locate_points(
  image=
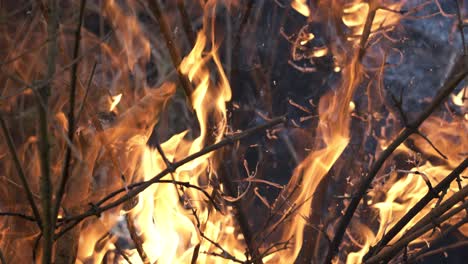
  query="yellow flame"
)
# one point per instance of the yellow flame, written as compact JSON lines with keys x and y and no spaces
{"x":301,"y":7}
{"x":115,"y":101}
{"x":458,"y":99}
{"x":355,"y":14}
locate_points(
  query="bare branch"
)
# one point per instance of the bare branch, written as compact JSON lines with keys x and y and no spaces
{"x":71,"y":117}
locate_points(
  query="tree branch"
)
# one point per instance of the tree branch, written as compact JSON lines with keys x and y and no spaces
{"x":176,"y":59}
{"x":71,"y":117}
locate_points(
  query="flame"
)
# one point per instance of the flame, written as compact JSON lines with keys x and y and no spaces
{"x":355,"y":14}
{"x":301,"y":7}
{"x":308,"y":38}
{"x":458,"y":99}
{"x":367,"y":235}
{"x":111,"y":148}
{"x":164,"y":211}
{"x":115,"y":102}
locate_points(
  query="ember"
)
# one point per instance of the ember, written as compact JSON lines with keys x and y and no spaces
{"x":233,"y":131}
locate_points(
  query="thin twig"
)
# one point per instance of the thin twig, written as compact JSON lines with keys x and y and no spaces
{"x":443,"y":249}
{"x":122,"y":253}
{"x":415,"y":257}
{"x":419,"y":133}
{"x":71,"y":117}
{"x":461,"y":27}
{"x":25,"y":217}
{"x":43,"y":83}
{"x":97,"y":210}
{"x":88,"y":86}
{"x":186,"y":23}
{"x":196,"y":251}
{"x":176,"y":58}
{"x":447,"y":88}
{"x":19,"y":169}
{"x":136,"y":239}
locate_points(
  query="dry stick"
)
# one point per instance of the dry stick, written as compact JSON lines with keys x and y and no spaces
{"x":434,"y":218}
{"x":44,"y":147}
{"x":187,"y":25}
{"x":71,"y":117}
{"x":419,"y":133}
{"x":122,"y":253}
{"x":19,"y":169}
{"x":460,"y":27}
{"x":442,"y":186}
{"x":441,"y":209}
{"x":25,"y":217}
{"x":241,"y":219}
{"x":170,"y":44}
{"x":453,"y":80}
{"x":97,"y":210}
{"x":136,"y":239}
{"x":421,"y":254}
{"x":134,"y":185}
{"x":196,"y":251}
{"x":85,"y":97}
{"x":444,"y":249}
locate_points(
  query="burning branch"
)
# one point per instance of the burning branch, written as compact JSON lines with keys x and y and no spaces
{"x":98,"y":208}
{"x":426,"y":251}
{"x":441,"y":187}
{"x":71,"y":115}
{"x":86,"y":140}
{"x":457,"y":75}
{"x":436,"y":217}
{"x":136,"y":239}
{"x":176,"y":59}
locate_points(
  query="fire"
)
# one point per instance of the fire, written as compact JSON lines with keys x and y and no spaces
{"x":355,"y":14}
{"x":301,"y":7}
{"x":115,"y":102}
{"x":188,"y":214}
